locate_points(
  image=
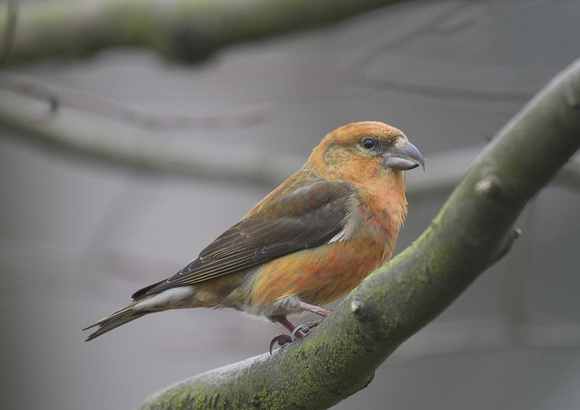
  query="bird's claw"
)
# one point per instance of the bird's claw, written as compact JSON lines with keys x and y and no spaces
{"x":301,"y":333}
{"x":304,"y":328}
{"x":281,"y":340}
{"x":298,"y":333}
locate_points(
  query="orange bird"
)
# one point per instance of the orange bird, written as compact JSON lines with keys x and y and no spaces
{"x":308,"y":243}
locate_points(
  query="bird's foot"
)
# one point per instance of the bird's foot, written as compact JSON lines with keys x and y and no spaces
{"x":302,"y":330}
{"x":281,"y":340}
{"x":298,"y":333}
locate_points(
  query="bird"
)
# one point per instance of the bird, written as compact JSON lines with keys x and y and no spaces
{"x":309,"y":242}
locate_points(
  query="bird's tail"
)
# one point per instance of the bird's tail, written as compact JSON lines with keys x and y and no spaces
{"x":116,"y":319}
{"x":175,"y":298}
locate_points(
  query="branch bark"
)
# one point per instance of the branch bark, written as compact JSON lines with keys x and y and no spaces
{"x":182,"y":30}
{"x":472,"y":231}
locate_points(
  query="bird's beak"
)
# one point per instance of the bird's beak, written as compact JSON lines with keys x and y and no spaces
{"x":404,"y":158}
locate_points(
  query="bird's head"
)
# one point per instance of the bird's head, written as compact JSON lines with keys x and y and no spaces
{"x":364,"y":149}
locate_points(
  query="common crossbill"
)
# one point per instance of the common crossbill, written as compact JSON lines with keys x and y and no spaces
{"x":306,"y":244}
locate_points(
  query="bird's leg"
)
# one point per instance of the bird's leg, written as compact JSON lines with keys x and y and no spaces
{"x":324,"y":312}
{"x":298,"y":332}
{"x":302,"y":329}
{"x":283,"y":320}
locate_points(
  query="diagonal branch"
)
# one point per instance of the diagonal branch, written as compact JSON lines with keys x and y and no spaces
{"x":472,"y":231}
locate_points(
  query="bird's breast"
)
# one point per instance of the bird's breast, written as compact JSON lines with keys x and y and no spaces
{"x":323,"y":274}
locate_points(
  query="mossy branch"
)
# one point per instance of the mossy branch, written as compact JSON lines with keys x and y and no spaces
{"x":473,"y":230}
{"x":183,"y":30}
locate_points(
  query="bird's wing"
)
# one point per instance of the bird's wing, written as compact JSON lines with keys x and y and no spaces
{"x":303,"y":218}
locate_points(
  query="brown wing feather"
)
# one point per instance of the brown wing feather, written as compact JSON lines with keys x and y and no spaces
{"x":305,"y":218}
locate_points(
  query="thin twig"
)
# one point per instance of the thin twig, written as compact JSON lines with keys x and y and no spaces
{"x":57,"y":97}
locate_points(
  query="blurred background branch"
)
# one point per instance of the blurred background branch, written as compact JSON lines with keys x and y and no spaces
{"x":19,"y":110}
{"x":183,"y":30}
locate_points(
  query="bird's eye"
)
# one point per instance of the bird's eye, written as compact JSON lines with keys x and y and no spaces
{"x":368,"y":143}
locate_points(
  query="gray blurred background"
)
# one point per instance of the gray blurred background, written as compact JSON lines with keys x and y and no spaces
{"x":79,"y":236}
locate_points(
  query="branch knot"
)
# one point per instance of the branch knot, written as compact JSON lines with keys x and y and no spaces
{"x":357,"y":307}
{"x":488,"y":187}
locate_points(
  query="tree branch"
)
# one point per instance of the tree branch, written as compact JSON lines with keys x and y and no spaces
{"x":73,"y":135}
{"x":57,"y":97}
{"x":472,"y":231}
{"x":183,"y":30}
{"x":9,"y":28}
{"x":152,"y":153}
